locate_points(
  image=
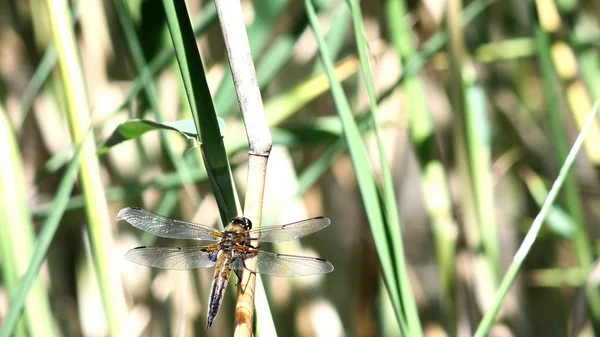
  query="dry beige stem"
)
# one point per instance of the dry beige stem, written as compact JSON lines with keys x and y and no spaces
{"x":244,"y":308}
{"x":259,"y":139}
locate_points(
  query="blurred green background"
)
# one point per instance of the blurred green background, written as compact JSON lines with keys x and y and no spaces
{"x":477,"y":105}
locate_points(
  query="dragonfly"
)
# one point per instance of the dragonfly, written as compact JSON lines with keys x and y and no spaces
{"x":232,"y":248}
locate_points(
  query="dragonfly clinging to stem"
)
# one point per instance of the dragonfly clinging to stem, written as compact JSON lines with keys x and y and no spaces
{"x":233,"y":246}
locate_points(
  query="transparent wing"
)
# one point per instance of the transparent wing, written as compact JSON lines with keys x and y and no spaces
{"x":173,"y":257}
{"x":166,"y":227}
{"x":291,"y":231}
{"x":287,"y":265}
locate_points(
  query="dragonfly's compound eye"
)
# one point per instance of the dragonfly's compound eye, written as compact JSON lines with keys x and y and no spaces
{"x":247,"y":224}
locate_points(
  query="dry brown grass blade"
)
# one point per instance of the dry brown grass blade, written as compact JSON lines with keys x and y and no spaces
{"x":259,"y":139}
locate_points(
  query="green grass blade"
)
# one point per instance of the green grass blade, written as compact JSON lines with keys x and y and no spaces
{"x":529,"y":240}
{"x":281,"y":50}
{"x":41,"y":248}
{"x":478,"y":131}
{"x":17,"y":236}
{"x":573,"y":201}
{"x":390,"y":204}
{"x":41,"y":74}
{"x":434,"y":179}
{"x":135,"y":128}
{"x":364,"y":175}
{"x":162,"y":60}
{"x":139,"y":60}
{"x":339,"y":19}
{"x":78,"y":114}
{"x":558,"y":221}
{"x":201,"y":104}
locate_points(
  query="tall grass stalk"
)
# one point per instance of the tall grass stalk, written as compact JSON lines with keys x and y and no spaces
{"x":478,"y":133}
{"x":267,"y":13}
{"x":17,"y":241}
{"x":364,"y":175}
{"x":573,"y":201}
{"x":78,"y":114}
{"x":536,"y":226}
{"x":260,"y":144}
{"x":205,"y":117}
{"x":423,"y":137}
{"x":389,"y":203}
{"x":30,"y":282}
{"x":202,"y":107}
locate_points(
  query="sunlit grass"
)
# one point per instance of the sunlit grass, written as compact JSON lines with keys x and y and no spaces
{"x":432,"y":137}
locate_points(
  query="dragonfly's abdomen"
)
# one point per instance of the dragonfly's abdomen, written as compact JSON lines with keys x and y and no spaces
{"x":222,"y":272}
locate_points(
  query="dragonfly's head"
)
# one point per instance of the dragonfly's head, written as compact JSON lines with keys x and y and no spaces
{"x":243,"y":222}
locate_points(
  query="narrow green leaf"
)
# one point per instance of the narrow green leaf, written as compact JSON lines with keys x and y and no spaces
{"x":41,"y":247}
{"x":521,"y":254}
{"x":78,"y":114}
{"x":17,"y":236}
{"x":573,"y":202}
{"x":362,"y":170}
{"x":135,"y":128}
{"x":559,"y":221}
{"x":478,"y":130}
{"x":390,"y":204}
{"x":201,"y":105}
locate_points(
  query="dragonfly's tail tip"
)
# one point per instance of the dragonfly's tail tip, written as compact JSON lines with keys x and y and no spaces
{"x":208,"y":324}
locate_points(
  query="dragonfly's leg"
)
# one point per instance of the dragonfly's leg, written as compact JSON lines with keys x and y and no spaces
{"x":237,"y":273}
{"x":244,"y":264}
{"x":248,"y":240}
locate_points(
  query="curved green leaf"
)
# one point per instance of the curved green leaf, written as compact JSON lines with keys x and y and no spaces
{"x":136,"y":127}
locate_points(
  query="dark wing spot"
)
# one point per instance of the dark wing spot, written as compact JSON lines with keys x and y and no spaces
{"x":178,"y":248}
{"x":140,"y":247}
{"x":137,"y":208}
{"x":320,"y":217}
{"x":320,"y":259}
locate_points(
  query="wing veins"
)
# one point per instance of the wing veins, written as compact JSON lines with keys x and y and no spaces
{"x":179,"y":258}
{"x":288,"y":265}
{"x":291,"y":231}
{"x":163,"y":226}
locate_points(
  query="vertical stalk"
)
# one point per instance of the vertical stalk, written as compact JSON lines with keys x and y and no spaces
{"x":389,"y":202}
{"x":78,"y":114}
{"x":423,"y":137}
{"x":573,"y":201}
{"x":259,"y":140}
{"x":17,"y":241}
{"x":201,"y":105}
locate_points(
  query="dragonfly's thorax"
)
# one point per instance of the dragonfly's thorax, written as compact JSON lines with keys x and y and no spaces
{"x":235,"y":233}
{"x":228,"y":245}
